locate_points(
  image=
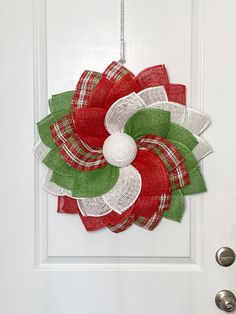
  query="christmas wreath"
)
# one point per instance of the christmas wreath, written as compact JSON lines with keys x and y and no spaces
{"x":122,"y":149}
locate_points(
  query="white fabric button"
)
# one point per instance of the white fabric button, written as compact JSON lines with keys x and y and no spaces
{"x":119,"y":149}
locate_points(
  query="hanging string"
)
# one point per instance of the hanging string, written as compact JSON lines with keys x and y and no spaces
{"x":122,"y":32}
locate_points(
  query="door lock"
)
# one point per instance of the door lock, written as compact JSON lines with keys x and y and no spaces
{"x":225,"y":256}
{"x":225,"y":301}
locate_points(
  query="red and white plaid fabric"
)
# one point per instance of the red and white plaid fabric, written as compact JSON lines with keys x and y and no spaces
{"x":116,"y":71}
{"x":163,"y":148}
{"x":179,"y":177}
{"x":80,"y":156}
{"x":84,"y":88}
{"x":147,"y":223}
{"x":151,"y":223}
{"x":62,"y":129}
{"x":171,"y":157}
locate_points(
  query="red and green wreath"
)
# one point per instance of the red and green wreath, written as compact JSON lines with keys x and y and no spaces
{"x":122,"y":149}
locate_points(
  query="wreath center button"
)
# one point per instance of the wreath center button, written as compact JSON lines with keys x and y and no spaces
{"x":119,"y":149}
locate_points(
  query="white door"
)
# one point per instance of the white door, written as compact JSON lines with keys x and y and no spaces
{"x":49,"y":264}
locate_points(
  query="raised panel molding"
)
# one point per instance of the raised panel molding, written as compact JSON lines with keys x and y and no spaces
{"x":45,"y":262}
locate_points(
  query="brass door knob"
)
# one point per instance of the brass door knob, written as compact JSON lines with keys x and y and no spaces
{"x":226,"y":301}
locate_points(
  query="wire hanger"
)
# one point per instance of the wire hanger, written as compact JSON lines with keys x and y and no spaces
{"x":122,"y":32}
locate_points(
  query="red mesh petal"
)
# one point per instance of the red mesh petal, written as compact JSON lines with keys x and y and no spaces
{"x":89,"y":125}
{"x":176,"y":93}
{"x":171,"y":157}
{"x":123,"y":225}
{"x":114,"y":218}
{"x":153,"y":172}
{"x":146,"y":206}
{"x":69,"y":205}
{"x":160,"y":146}
{"x":153,"y":76}
{"x":155,"y":182}
{"x":100,"y":93}
{"x":122,"y":88}
{"x":93,"y":223}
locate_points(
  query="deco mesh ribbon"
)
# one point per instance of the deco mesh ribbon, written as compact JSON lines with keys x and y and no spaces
{"x":122,"y":149}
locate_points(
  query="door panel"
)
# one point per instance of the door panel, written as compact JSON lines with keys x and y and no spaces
{"x":80,"y":45}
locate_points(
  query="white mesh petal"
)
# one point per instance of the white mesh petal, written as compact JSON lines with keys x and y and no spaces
{"x":202,"y":149}
{"x":41,"y":150}
{"x":126,"y":191}
{"x":177,"y":111}
{"x":93,"y":206}
{"x":119,"y":198}
{"x":153,"y":94}
{"x":195,"y":121}
{"x":52,"y":187}
{"x":120,"y":112}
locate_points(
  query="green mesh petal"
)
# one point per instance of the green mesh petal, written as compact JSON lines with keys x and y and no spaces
{"x":176,"y":208}
{"x":95,"y":183}
{"x":60,"y":113}
{"x":59,"y":105}
{"x":189,"y":160}
{"x":44,"y":130}
{"x":148,"y":121}
{"x":66,"y":182}
{"x":61,"y":101}
{"x":197,"y":183}
{"x":81,"y":184}
{"x":182,"y":135}
{"x":56,"y":163}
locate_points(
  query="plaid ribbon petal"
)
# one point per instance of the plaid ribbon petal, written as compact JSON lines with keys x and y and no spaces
{"x":171,"y":157}
{"x":84,"y":88}
{"x":122,"y":226}
{"x":151,"y":223}
{"x":80,"y":156}
{"x":148,"y":224}
{"x":116,"y":71}
{"x":179,"y":177}
{"x":62,"y":129}
{"x":163,"y":148}
{"x":89,"y":80}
